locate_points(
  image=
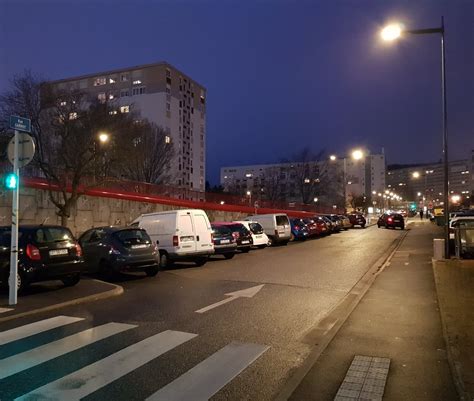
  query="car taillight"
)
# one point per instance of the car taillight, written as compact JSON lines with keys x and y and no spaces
{"x":235,"y":234}
{"x":78,"y":250}
{"x":175,"y":240}
{"x":297,"y":227}
{"x":32,"y":252}
{"x":389,"y":219}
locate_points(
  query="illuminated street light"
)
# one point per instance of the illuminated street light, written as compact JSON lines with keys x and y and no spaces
{"x":379,"y":194}
{"x":357,"y":154}
{"x":391,"y":32}
{"x":315,"y":200}
{"x":222,"y":202}
{"x":374,"y":192}
{"x":332,"y":157}
{"x":416,"y":174}
{"x":104,"y":137}
{"x":387,"y":191}
{"x":249,"y":193}
{"x":455,"y":198}
{"x":419,"y":193}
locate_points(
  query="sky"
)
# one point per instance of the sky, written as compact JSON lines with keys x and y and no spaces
{"x":281,"y":75}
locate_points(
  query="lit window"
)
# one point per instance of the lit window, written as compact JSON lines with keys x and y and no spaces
{"x":124,"y":77}
{"x":112,"y":112}
{"x":124,"y":109}
{"x":100,"y":81}
{"x":137,"y":82}
{"x":63,"y":103}
{"x":111,"y":80}
{"x":111,"y":97}
{"x":101,"y":97}
{"x":73,"y":115}
{"x":167,"y":139}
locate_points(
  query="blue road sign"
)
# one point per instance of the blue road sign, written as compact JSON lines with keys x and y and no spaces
{"x":20,"y":123}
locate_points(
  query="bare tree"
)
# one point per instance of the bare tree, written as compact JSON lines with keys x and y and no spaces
{"x":271,"y":183}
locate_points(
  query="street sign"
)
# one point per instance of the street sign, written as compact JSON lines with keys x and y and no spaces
{"x":26,"y":149}
{"x":20,"y":123}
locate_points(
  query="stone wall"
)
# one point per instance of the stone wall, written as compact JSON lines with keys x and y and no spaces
{"x":36,"y":208}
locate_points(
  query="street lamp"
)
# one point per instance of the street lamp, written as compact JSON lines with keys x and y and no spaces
{"x":395,"y":31}
{"x":332,"y":157}
{"x":104,"y":137}
{"x":416,"y":174}
{"x":357,"y":154}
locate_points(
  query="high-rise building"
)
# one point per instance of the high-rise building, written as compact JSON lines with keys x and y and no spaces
{"x":165,"y":96}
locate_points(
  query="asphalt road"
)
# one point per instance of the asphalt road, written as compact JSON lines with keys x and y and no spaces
{"x":245,"y":349}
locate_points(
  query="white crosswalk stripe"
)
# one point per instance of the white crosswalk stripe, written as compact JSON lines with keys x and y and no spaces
{"x":208,"y":377}
{"x":97,"y":375}
{"x":28,"y":359}
{"x":36,"y":328}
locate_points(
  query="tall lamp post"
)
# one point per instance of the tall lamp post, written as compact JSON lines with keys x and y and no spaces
{"x":392,"y":32}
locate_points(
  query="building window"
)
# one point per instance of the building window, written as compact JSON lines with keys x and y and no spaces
{"x":124,"y":77}
{"x":112,"y":80}
{"x":167,"y":139}
{"x":168,"y":73}
{"x":124,"y":92}
{"x":111,"y":96}
{"x":168,"y":80}
{"x":168,"y":90}
{"x":100,"y":81}
{"x":63,"y":103}
{"x":112,"y":112}
{"x":139,"y":90}
{"x":124,"y":109}
{"x":101,"y":97}
{"x":73,"y":115}
{"x":137,"y":82}
{"x":168,"y":106}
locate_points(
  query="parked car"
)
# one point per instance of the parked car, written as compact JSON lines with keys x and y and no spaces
{"x":259,"y":238}
{"x":299,"y":231}
{"x":181,"y":235}
{"x":224,"y":242}
{"x":336,"y":223}
{"x":346,"y":223}
{"x":45,"y":252}
{"x":391,"y":220}
{"x":312,"y":227}
{"x":357,"y":219}
{"x":276,"y":226}
{"x":242,"y":236}
{"x":110,"y":250}
{"x":331,"y":226}
{"x":467,"y":220}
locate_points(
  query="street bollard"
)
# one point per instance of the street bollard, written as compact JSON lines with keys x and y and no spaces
{"x":438,"y":249}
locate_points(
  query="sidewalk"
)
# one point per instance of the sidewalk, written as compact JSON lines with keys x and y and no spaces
{"x":399,"y":319}
{"x":42,"y":297}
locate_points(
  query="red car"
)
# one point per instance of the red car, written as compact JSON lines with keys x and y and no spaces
{"x":315,"y":226}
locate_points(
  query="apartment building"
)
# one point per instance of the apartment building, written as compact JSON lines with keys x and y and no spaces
{"x":417,"y":181}
{"x":165,"y":96}
{"x":361,"y":178}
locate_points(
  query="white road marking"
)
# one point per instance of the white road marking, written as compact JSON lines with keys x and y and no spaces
{"x":85,"y":381}
{"x":28,"y":359}
{"x":208,"y":377}
{"x":4,"y":310}
{"x":35,"y":328}
{"x":246,"y":293}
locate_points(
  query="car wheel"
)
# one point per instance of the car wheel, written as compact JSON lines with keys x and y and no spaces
{"x":22,"y":283}
{"x":292,"y":237}
{"x":229,"y":255}
{"x":71,"y":281}
{"x":164,"y":260}
{"x":270,"y":241}
{"x":152,"y":271}
{"x":200,"y":262}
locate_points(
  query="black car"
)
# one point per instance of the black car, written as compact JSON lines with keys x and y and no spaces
{"x":357,"y":219}
{"x":391,"y":220}
{"x":242,"y":236}
{"x":109,"y":250}
{"x":224,"y":242}
{"x":336,"y":223}
{"x":44,"y":253}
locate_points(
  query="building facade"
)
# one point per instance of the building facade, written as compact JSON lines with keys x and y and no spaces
{"x":424,"y":183}
{"x":315,"y":181}
{"x":165,"y":96}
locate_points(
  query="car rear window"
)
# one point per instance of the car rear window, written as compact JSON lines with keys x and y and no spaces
{"x":256,"y":228}
{"x":221,"y":230}
{"x":281,"y":220}
{"x":239,"y":228}
{"x":45,"y":235}
{"x":132,"y":237}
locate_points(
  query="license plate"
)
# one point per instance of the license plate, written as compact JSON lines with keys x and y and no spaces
{"x":139,"y":246}
{"x":58,"y":252}
{"x":225,"y":241}
{"x":396,"y":221}
{"x":258,"y":236}
{"x":245,"y":242}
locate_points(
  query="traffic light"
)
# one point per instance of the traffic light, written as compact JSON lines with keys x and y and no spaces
{"x":10,"y":181}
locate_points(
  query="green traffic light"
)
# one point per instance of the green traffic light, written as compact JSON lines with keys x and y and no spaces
{"x":11,"y":181}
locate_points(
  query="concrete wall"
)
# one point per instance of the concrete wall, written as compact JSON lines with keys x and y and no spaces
{"x":36,"y":208}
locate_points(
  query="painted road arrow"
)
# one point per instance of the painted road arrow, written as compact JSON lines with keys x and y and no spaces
{"x":247,"y":293}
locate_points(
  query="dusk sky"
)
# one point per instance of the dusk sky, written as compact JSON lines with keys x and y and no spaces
{"x":280,"y":75}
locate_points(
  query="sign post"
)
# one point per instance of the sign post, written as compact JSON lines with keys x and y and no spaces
{"x":18,"y":124}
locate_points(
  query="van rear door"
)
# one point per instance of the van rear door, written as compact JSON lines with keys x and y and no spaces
{"x":203,"y":233}
{"x":283,"y":226}
{"x":185,"y":232}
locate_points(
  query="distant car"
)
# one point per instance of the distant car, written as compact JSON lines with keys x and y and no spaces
{"x":336,"y":222}
{"x":331,"y":226}
{"x":242,"y":236}
{"x":299,"y":231}
{"x":466,"y":220}
{"x":322,"y":225}
{"x":224,"y":242}
{"x":259,"y":238}
{"x":311,"y":225}
{"x":357,"y":219}
{"x":110,"y":250}
{"x":391,"y":220}
{"x":346,"y":223}
{"x":45,"y":252}
{"x":276,"y":226}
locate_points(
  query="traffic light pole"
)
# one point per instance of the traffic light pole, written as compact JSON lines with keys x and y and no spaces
{"x":13,"y":282}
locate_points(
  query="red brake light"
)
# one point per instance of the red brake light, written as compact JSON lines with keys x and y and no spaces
{"x":175,"y":240}
{"x":389,"y":219}
{"x":32,"y":252}
{"x":78,"y":250}
{"x":235,"y":234}
{"x":297,"y":227}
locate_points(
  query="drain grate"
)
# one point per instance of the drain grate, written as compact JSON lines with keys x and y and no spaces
{"x":365,"y":380}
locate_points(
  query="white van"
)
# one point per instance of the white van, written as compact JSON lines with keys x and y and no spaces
{"x":276,"y":226}
{"x":180,"y":235}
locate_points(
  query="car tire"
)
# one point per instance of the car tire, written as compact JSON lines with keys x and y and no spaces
{"x":292,"y":237}
{"x":270,"y":241}
{"x":200,"y":262}
{"x":71,"y":281}
{"x":164,"y":261}
{"x":229,"y":255}
{"x":22,"y":283}
{"x":152,"y":271}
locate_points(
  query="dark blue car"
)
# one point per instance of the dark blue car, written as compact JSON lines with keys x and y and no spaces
{"x":299,"y":231}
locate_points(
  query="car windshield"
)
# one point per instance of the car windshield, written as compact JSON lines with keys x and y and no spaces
{"x":256,"y":228}
{"x":132,"y":237}
{"x":45,"y":235}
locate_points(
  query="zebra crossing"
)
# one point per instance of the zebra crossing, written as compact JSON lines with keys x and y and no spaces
{"x":199,"y":383}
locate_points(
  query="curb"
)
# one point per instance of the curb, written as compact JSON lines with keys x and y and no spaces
{"x":452,"y":350}
{"x":117,"y":290}
{"x":326,"y":329}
